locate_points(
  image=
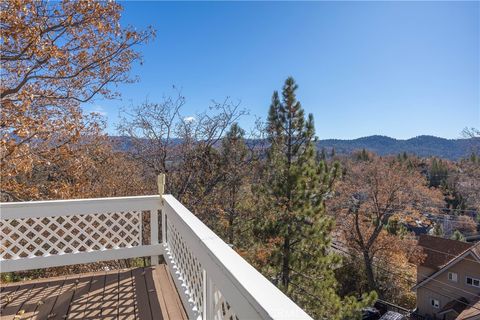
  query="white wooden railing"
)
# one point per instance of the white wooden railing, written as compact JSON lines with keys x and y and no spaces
{"x":213,"y":281}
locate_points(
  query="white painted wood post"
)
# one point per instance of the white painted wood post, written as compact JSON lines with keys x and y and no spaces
{"x":164,"y":227}
{"x":154,"y":217}
{"x":161,"y":185}
{"x":154,"y":233}
{"x":208,"y":298}
{"x":161,"y":190}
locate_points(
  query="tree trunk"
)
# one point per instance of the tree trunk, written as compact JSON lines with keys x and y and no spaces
{"x":369,"y":269}
{"x":230,"y":229}
{"x":286,"y":262}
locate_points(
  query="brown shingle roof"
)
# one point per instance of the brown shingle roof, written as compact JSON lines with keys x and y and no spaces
{"x":457,"y":305}
{"x":470,"y":312}
{"x":442,"y":250}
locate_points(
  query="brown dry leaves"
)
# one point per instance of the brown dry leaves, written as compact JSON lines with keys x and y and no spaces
{"x":56,"y":55}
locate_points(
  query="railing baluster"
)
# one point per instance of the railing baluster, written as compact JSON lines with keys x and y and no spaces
{"x":154,"y":233}
{"x":164,"y":227}
{"x":208,"y":298}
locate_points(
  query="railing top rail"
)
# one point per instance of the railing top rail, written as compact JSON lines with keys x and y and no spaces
{"x":264,"y":296}
{"x":51,"y":208}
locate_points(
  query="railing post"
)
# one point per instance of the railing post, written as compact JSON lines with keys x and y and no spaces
{"x":154,"y":218}
{"x":164,"y":227}
{"x":154,"y":233}
{"x":208,"y":298}
{"x":161,"y":185}
{"x":161,"y":190}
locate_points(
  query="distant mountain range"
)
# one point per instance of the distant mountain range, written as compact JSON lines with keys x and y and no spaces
{"x":422,"y":146}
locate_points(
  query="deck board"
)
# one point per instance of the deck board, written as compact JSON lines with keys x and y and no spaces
{"x":93,"y":306}
{"x":45,"y":309}
{"x":136,"y":293}
{"x":16,"y":301}
{"x":173,"y":305}
{"x":152,"y":294}
{"x":40,"y":299}
{"x":60,"y":309}
{"x":76,"y":308}
{"x":110,"y":297}
{"x":141,"y":294}
{"x":127,"y":303}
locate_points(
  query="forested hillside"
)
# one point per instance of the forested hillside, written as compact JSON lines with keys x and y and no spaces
{"x":422,"y":146}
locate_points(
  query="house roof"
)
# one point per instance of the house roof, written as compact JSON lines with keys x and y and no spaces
{"x":440,"y":251}
{"x":470,"y":312}
{"x":390,"y":315}
{"x":441,"y":258}
{"x":457,"y":306}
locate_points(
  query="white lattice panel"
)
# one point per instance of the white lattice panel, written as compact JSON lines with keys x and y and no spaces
{"x":222,"y":309}
{"x":45,"y":236}
{"x":188,"y":266}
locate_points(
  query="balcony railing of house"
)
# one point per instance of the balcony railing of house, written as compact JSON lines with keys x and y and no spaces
{"x":213,"y":281}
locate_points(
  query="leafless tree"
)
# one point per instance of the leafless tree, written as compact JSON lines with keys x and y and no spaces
{"x":185,"y":147}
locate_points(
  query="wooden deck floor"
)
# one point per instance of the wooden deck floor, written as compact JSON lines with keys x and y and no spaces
{"x":141,"y":293}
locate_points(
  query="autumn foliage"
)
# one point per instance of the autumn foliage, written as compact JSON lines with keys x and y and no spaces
{"x":55,"y":56}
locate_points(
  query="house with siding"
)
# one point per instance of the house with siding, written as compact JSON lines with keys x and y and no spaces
{"x":448,"y":279}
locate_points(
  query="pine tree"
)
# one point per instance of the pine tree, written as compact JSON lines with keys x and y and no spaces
{"x":235,"y":161}
{"x":295,"y":220}
{"x":363,"y":155}
{"x":332,"y":153}
{"x":322,"y":155}
{"x":438,"y":173}
{"x":457,"y":235}
{"x":474,"y":158}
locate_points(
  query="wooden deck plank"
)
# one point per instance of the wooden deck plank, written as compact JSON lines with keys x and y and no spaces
{"x":126,"y":296}
{"x":174,"y":307}
{"x":43,"y":291}
{"x":110,"y":297}
{"x":7,"y":294}
{"x":39,"y":280}
{"x":45,"y":310}
{"x":93,"y":306}
{"x":76,"y":309}
{"x":30,"y":304}
{"x":174,"y":293}
{"x":6,"y":285}
{"x":160,"y":293}
{"x":16,"y":301}
{"x":152,"y":294}
{"x":64,"y":298}
{"x":141,"y":294}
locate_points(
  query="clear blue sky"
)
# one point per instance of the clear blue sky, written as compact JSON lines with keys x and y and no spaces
{"x":399,"y":69}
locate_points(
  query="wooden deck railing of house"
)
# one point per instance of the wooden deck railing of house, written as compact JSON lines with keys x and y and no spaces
{"x":213,"y":281}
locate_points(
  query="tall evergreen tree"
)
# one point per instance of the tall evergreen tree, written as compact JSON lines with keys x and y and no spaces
{"x":295,"y":223}
{"x":235,"y":163}
{"x":322,"y":155}
{"x":438,"y":173}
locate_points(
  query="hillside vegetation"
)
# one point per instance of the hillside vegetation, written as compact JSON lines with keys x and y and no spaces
{"x":422,"y":146}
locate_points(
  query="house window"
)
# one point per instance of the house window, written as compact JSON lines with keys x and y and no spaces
{"x":473,"y":282}
{"x":435,"y":303}
{"x":452,"y":276}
